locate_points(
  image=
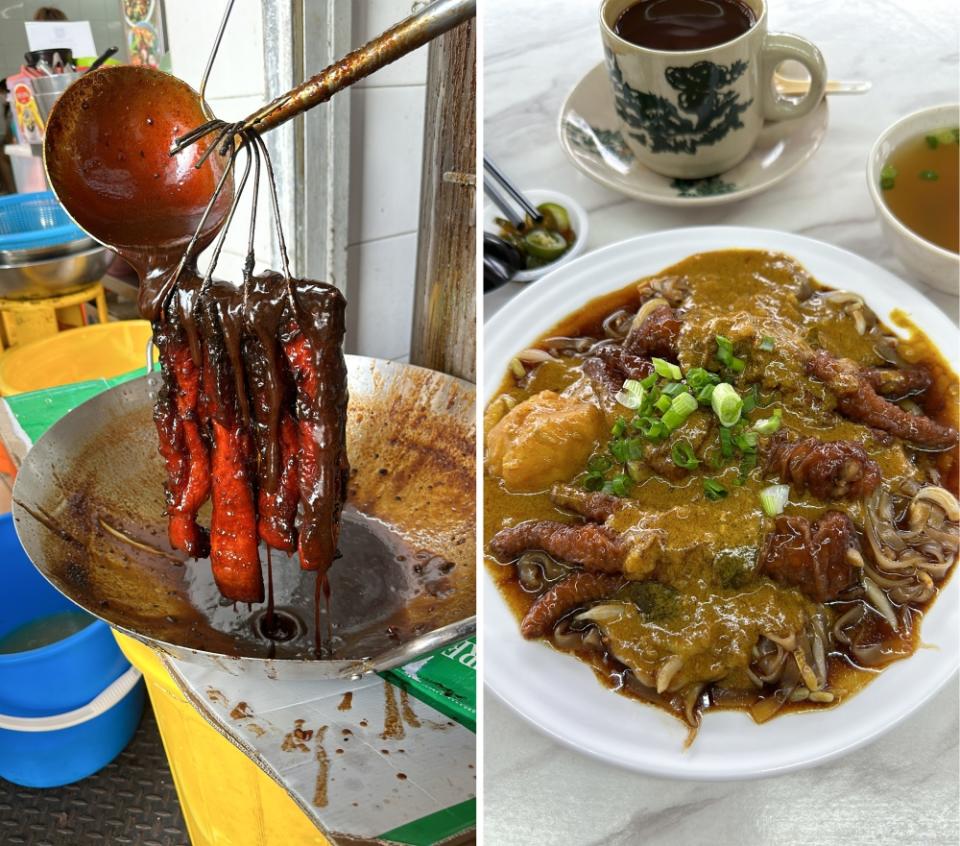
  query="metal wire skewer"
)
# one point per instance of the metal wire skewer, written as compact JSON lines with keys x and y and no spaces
{"x":250,"y":258}
{"x":171,"y":284}
{"x":413,"y":32}
{"x":213,"y":53}
{"x":408,"y":35}
{"x":222,"y":237}
{"x":277,"y":222}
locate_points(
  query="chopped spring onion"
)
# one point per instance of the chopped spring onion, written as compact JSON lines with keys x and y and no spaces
{"x":750,"y":399}
{"x":666,"y":369}
{"x":684,"y":456}
{"x":929,"y":175}
{"x":632,"y":394}
{"x":593,"y":481}
{"x":769,"y":425}
{"x":619,"y":428}
{"x":726,"y":443}
{"x":888,"y":177}
{"x":746,"y":467}
{"x":698,"y":378}
{"x":746,"y":442}
{"x":932,"y":142}
{"x":774,"y":499}
{"x":626,"y":449}
{"x":767,"y":343}
{"x":636,"y":470}
{"x":726,"y":404}
{"x":705,"y":394}
{"x":652,"y":429}
{"x":619,"y":485}
{"x":649,"y":381}
{"x":598,"y":464}
{"x":662,"y":404}
{"x":672,"y":389}
{"x":681,"y":408}
{"x":714,"y":490}
{"x":726,"y":357}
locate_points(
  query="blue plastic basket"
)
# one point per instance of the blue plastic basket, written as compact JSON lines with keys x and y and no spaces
{"x":28,"y":221}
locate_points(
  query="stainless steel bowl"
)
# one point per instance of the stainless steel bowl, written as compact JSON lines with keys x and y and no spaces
{"x":30,"y":256}
{"x":56,"y":274}
{"x":47,"y":90}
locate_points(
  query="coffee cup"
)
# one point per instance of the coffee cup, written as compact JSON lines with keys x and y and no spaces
{"x":692,"y":113}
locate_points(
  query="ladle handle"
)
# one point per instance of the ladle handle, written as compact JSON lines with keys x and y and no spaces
{"x":405,"y":37}
{"x":415,"y":648}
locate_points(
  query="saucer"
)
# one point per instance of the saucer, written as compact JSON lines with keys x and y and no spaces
{"x":590,"y":136}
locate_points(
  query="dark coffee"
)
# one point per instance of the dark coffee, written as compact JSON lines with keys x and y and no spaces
{"x":684,"y":24}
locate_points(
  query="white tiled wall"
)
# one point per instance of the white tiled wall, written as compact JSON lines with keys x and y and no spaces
{"x":386,"y":141}
{"x":235,"y":89}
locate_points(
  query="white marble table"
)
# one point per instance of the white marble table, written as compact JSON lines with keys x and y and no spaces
{"x":903,"y":788}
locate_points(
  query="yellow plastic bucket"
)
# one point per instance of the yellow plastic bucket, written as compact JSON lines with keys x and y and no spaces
{"x":226,"y":799}
{"x":91,"y":352}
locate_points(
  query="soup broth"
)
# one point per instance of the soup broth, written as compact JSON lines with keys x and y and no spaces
{"x":921,"y":185}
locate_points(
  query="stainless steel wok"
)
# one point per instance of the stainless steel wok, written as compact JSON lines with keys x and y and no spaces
{"x":89,"y":511}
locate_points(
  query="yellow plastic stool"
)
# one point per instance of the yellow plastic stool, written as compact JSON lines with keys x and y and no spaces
{"x":100,"y":351}
{"x":24,"y":319}
{"x":226,"y":799}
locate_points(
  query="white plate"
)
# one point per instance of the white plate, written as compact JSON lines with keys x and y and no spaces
{"x":590,"y":137}
{"x":560,"y":695}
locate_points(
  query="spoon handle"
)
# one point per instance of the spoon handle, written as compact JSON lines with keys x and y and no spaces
{"x":405,"y":37}
{"x":801,"y":86}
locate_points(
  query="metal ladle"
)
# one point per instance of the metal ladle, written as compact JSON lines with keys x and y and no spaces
{"x":136,"y":160}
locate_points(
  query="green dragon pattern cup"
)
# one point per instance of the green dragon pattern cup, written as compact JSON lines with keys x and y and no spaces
{"x":695,"y":113}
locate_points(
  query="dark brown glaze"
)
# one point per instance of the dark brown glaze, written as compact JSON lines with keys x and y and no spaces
{"x":312,"y":342}
{"x":271,"y":387}
{"x":828,"y":470}
{"x":234,"y":554}
{"x":656,"y":336}
{"x":274,"y":407}
{"x":181,"y":440}
{"x":593,"y":547}
{"x":170,"y":434}
{"x":564,"y":596}
{"x":811,"y":556}
{"x":858,"y":400}
{"x":277,"y":508}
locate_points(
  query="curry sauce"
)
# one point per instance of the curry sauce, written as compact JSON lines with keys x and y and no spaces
{"x":705,"y":606}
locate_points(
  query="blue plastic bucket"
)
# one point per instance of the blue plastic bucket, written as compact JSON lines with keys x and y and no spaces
{"x":66,"y":709}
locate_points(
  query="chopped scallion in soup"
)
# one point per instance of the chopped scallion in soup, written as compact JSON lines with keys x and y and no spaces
{"x":921,"y":186}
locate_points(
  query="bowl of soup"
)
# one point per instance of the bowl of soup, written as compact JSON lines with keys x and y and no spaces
{"x":914,"y":181}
